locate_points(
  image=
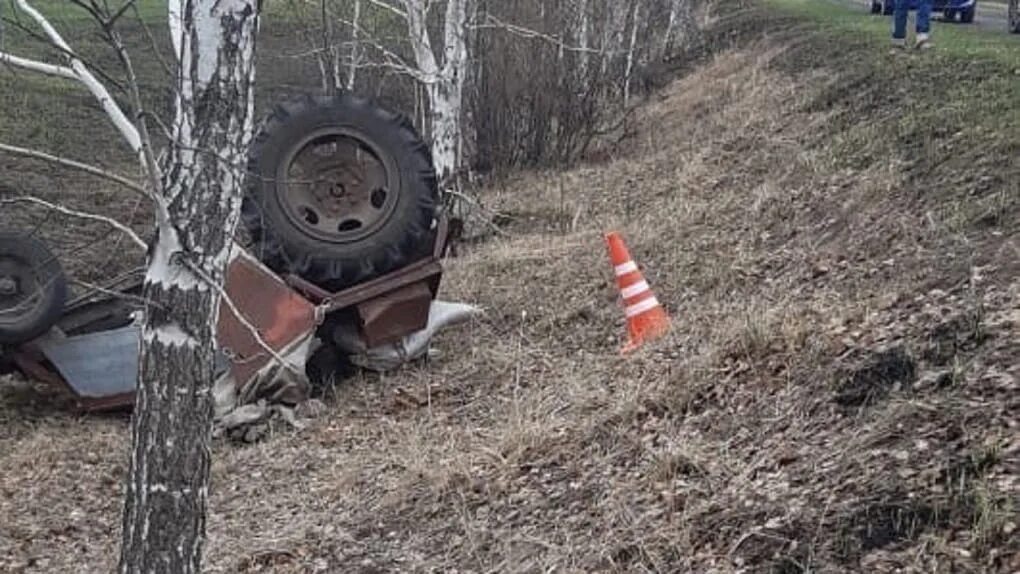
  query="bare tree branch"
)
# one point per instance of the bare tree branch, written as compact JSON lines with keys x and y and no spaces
{"x":252,"y":329}
{"x":152,"y":41}
{"x":109,"y":105}
{"x":106,"y":77}
{"x":494,"y":23}
{"x":147,"y":153}
{"x":393,"y":60}
{"x":112,"y":292}
{"x":79,"y":214}
{"x":35,"y":66}
{"x":389,"y":7}
{"x":70,"y":163}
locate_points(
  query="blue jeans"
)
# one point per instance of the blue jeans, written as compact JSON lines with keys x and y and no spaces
{"x":900,"y":18}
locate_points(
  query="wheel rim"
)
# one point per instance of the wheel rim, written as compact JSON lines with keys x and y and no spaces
{"x":20,"y":290}
{"x":336,"y":186}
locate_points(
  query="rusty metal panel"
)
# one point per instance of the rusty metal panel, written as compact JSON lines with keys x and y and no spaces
{"x":425,"y":269}
{"x":387,"y":318}
{"x":280,"y":315}
{"x":29,"y":359}
{"x":429,"y":268}
{"x":442,"y":236}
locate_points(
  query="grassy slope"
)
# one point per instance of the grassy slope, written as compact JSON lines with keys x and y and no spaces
{"x":836,"y":237}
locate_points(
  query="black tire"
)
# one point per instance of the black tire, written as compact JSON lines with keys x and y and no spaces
{"x":33,"y":289}
{"x":888,"y":7}
{"x":876,"y":7}
{"x":948,"y":16}
{"x":967,"y":16}
{"x":337,"y":226}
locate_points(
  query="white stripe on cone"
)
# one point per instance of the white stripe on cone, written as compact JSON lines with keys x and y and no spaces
{"x":641,"y":307}
{"x":625,"y":268}
{"x":634,"y":290}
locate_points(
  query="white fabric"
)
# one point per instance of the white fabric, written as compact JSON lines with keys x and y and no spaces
{"x":415,"y":345}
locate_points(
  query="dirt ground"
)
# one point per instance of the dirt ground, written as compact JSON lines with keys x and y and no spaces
{"x":839,"y":392}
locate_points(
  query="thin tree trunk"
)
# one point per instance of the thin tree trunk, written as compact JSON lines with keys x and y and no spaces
{"x":445,"y":86}
{"x":584,"y":57}
{"x":682,"y":28}
{"x":612,"y":39}
{"x":167,"y":489}
{"x":630,"y":52}
{"x":352,"y":71}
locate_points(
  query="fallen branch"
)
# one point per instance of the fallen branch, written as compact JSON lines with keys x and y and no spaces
{"x":478,"y":206}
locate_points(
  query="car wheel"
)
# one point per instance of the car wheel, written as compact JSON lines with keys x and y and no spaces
{"x":341,"y":191}
{"x":948,"y":16}
{"x":887,"y":7}
{"x":33,"y":289}
{"x":876,"y":7}
{"x":967,"y":16}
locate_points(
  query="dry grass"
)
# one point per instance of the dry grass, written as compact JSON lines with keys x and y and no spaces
{"x":838,"y":393}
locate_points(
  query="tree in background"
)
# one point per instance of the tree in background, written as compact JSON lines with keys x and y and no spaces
{"x":501,"y":83}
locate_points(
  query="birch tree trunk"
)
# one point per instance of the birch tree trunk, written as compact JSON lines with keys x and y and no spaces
{"x":681,"y":26}
{"x":352,"y":71}
{"x":629,"y":71}
{"x":582,"y":40}
{"x":615,"y":25}
{"x":197,"y":212}
{"x":444,"y":84}
{"x":667,"y":37}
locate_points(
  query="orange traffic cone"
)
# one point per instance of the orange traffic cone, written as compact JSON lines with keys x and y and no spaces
{"x":646,"y":319}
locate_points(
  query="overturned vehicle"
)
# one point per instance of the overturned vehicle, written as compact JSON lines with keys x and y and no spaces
{"x":342,"y":270}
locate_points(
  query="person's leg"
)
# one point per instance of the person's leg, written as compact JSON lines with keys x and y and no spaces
{"x":923,"y":22}
{"x":900,"y":22}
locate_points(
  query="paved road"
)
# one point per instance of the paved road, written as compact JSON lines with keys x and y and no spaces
{"x":990,"y":15}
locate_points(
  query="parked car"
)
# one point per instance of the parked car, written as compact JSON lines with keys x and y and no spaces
{"x":948,"y":8}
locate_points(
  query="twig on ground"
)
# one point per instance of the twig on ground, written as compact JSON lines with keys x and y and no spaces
{"x":479,"y":207}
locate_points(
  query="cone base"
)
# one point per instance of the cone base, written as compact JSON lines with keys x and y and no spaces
{"x":646,"y":327}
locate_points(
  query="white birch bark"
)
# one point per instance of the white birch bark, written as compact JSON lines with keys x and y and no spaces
{"x":680,"y":27}
{"x":197,"y":202}
{"x":352,"y":70}
{"x":198,"y":210}
{"x":584,"y":31}
{"x":444,"y":83}
{"x":629,"y":70}
{"x":612,"y":36}
{"x":667,"y":37}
